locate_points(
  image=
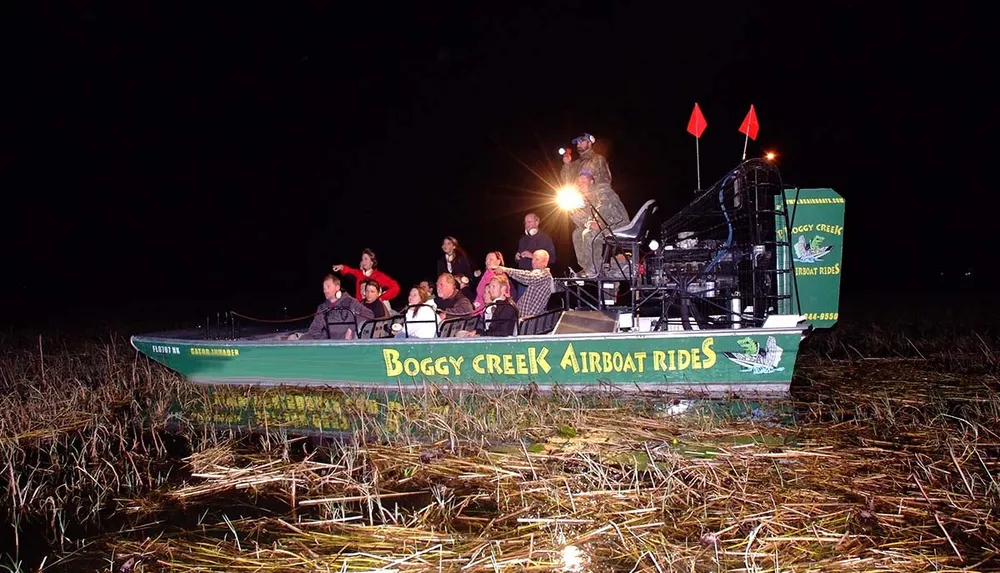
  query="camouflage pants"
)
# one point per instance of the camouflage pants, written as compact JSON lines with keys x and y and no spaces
{"x":589,"y":245}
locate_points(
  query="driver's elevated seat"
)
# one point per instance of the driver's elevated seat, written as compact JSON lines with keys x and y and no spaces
{"x":629,"y":237}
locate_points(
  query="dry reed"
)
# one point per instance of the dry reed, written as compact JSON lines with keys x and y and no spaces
{"x":899,"y":479}
{"x":891,"y":463}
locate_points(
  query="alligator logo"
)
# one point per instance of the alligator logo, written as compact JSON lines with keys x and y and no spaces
{"x":756,"y":359}
{"x":811,"y":252}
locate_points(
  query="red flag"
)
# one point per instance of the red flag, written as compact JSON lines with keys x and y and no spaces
{"x":750,"y":125}
{"x":697,"y":123}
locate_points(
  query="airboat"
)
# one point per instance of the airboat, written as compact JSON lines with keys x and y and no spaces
{"x":714,"y":304}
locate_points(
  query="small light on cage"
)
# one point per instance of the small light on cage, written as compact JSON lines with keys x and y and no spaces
{"x":770,"y":156}
{"x":654,"y":245}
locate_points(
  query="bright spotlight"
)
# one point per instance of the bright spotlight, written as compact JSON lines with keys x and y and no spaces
{"x":770,"y":156}
{"x":654,"y":245}
{"x":569,"y":198}
{"x":562,"y":151}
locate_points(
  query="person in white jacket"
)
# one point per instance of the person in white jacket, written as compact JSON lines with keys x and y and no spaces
{"x":421,"y":321}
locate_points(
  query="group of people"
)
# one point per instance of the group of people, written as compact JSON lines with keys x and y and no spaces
{"x":503,"y":294}
{"x":428,"y":305}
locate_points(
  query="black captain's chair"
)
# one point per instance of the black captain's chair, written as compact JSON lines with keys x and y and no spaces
{"x":629,"y":237}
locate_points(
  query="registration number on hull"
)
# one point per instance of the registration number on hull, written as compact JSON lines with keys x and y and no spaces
{"x":165,"y":349}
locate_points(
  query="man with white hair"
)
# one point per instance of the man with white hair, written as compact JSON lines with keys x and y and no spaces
{"x":534,"y":238}
{"x":450,"y":300}
{"x":538,"y":281}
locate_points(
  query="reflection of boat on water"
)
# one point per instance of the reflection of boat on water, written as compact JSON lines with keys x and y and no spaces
{"x":719,"y":320}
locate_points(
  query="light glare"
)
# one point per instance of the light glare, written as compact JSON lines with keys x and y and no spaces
{"x":569,"y":198}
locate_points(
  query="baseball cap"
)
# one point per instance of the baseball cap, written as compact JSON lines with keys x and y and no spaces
{"x":584,"y":137}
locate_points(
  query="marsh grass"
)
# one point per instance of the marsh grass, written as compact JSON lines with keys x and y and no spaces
{"x":901,"y":486}
{"x":951,"y":334}
{"x":75,"y":436}
{"x":891,"y":461}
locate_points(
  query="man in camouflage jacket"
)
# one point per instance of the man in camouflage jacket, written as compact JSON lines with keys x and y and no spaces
{"x":588,"y":160}
{"x":590,"y":232}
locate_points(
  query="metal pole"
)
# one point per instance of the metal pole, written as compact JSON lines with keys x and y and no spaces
{"x":697,"y":155}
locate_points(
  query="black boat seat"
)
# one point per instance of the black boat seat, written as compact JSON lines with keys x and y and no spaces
{"x":380,"y":327}
{"x":635,"y":229}
{"x":449,"y":328}
{"x":629,"y":237}
{"x":542,"y":323}
{"x":343,"y":317}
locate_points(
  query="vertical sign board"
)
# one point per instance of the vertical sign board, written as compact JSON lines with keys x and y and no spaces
{"x":815,"y":252}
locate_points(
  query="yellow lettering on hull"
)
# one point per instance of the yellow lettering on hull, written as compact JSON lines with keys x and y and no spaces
{"x":801,"y":271}
{"x":535,"y":361}
{"x":215,"y":352}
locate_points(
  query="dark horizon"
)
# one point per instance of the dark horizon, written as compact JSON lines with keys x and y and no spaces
{"x":166,"y":158}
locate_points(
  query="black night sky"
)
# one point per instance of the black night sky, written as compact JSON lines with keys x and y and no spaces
{"x":165,"y":161}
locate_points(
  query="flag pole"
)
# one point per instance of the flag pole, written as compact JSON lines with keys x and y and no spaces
{"x":750,"y":121}
{"x":696,"y":126}
{"x":697,"y":158}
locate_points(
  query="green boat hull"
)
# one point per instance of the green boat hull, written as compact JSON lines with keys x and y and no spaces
{"x":334,"y":387}
{"x":713,"y":362}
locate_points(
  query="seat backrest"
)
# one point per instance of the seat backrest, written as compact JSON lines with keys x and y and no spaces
{"x":637,"y":226}
{"x":646,"y":212}
{"x":380,"y":327}
{"x":543,"y":323}
{"x":427,"y":326}
{"x":488,"y":310}
{"x":450,"y":327}
{"x":340,"y":317}
{"x":647,"y":209}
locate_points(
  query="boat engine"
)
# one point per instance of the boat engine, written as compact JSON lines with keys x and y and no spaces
{"x":715,"y":265}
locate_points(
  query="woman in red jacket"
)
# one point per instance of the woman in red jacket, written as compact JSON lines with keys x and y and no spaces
{"x":368,"y":270}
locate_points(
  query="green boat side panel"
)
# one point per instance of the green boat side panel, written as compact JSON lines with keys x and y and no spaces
{"x":751,"y":357}
{"x":815,"y":254}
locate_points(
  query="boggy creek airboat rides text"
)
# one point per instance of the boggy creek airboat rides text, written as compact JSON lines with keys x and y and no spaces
{"x":713,"y":302}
